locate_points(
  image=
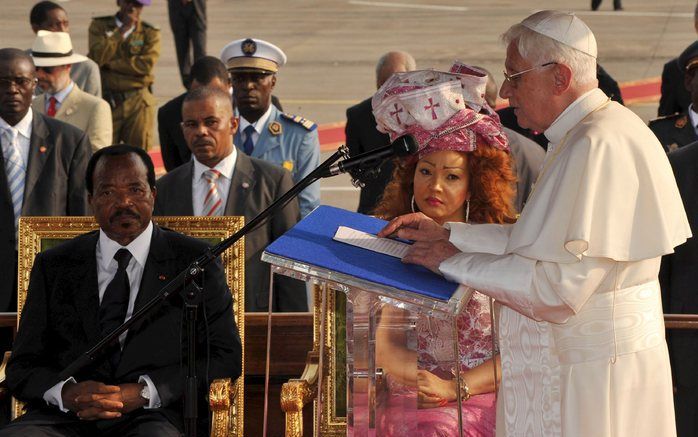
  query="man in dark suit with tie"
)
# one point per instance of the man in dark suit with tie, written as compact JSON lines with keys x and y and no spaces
{"x":678,"y":277}
{"x":362,"y":135}
{"x":82,"y":289}
{"x":207,"y":71}
{"x":43,"y":164}
{"x":221,"y":180}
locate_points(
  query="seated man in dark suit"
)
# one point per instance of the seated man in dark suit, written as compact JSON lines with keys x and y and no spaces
{"x":84,"y":288}
{"x":222,"y":181}
{"x":207,"y":71}
{"x":362,"y":135}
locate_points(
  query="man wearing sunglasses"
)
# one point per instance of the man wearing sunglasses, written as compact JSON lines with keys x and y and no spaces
{"x":44,"y":163}
{"x":62,"y":98}
{"x":47,"y":15}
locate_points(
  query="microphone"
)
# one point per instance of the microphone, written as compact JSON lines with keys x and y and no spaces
{"x":402,"y":146}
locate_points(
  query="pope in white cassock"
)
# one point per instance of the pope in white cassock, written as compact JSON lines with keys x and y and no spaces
{"x":581,"y":326}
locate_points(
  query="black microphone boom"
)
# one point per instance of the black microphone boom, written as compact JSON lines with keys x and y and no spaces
{"x":403,"y":146}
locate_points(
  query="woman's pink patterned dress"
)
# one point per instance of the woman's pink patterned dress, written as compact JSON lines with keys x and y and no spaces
{"x":435,"y":348}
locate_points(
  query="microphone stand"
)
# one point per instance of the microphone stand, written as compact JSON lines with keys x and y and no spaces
{"x":185,"y":283}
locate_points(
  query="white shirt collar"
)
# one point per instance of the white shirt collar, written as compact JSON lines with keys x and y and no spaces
{"x":573,"y":114}
{"x":225,"y":167}
{"x":24,"y":127}
{"x":62,"y":94}
{"x":139,"y":248}
{"x":259,"y":124}
{"x":693,"y":116}
{"x":120,"y":23}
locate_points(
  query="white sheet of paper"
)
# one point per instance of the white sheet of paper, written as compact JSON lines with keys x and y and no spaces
{"x":357,"y":238}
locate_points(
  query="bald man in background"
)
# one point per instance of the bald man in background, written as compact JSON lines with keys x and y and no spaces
{"x":362,"y":135}
{"x":528,"y":156}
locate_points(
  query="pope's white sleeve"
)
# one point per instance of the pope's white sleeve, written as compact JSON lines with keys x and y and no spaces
{"x":483,"y":238}
{"x":539,"y":290}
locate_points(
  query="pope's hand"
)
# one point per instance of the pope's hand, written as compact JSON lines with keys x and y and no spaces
{"x":416,"y":226}
{"x":431,"y":246}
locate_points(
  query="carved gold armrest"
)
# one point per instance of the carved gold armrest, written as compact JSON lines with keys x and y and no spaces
{"x":3,"y":366}
{"x":222,"y":403}
{"x":297,"y":393}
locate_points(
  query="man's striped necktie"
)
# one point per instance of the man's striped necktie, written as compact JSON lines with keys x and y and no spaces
{"x":213,"y":204}
{"x":14,"y":169}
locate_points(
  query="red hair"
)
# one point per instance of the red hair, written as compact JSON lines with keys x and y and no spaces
{"x":492,"y":187}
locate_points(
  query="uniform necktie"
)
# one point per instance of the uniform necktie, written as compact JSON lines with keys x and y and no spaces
{"x":51,"y":111}
{"x":248,"y":145}
{"x":14,"y":170}
{"x":112,"y":310}
{"x":213,"y":204}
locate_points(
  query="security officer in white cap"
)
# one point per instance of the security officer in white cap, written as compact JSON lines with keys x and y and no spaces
{"x":265,"y":132}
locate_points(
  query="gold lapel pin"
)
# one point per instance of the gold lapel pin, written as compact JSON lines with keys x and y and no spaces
{"x":162,"y":277}
{"x":42,"y":149}
{"x":245,"y":185}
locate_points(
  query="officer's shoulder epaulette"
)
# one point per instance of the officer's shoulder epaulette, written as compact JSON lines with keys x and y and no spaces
{"x":307,"y":124}
{"x":666,"y":117}
{"x":150,"y":26}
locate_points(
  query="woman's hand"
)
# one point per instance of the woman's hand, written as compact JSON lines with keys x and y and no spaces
{"x":434,"y":391}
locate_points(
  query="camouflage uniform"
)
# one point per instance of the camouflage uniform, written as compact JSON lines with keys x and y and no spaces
{"x":126,"y":66}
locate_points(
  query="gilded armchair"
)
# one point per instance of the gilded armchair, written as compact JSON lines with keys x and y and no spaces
{"x":226,"y":400}
{"x":297,"y":393}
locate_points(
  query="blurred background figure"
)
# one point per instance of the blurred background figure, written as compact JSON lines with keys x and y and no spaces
{"x":188,"y":24}
{"x":126,"y":50}
{"x":675,"y":98}
{"x":362,"y":135}
{"x":47,"y":15}
{"x":62,"y":98}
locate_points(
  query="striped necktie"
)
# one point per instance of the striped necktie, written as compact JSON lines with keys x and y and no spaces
{"x":14,"y":170}
{"x":213,"y":204}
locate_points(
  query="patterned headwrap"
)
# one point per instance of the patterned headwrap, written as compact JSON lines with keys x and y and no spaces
{"x":443,"y":111}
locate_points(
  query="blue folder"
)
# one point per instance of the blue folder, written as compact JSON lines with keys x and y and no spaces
{"x":310,"y":242}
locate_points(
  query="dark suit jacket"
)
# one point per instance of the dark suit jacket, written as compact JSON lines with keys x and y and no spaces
{"x":679,"y":273}
{"x":675,"y":97}
{"x":255,"y":185}
{"x":362,"y":136}
{"x":54,"y":185}
{"x":173,"y":147}
{"x":61,"y":320}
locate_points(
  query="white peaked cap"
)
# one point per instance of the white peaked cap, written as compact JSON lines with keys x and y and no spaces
{"x":563,"y":27}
